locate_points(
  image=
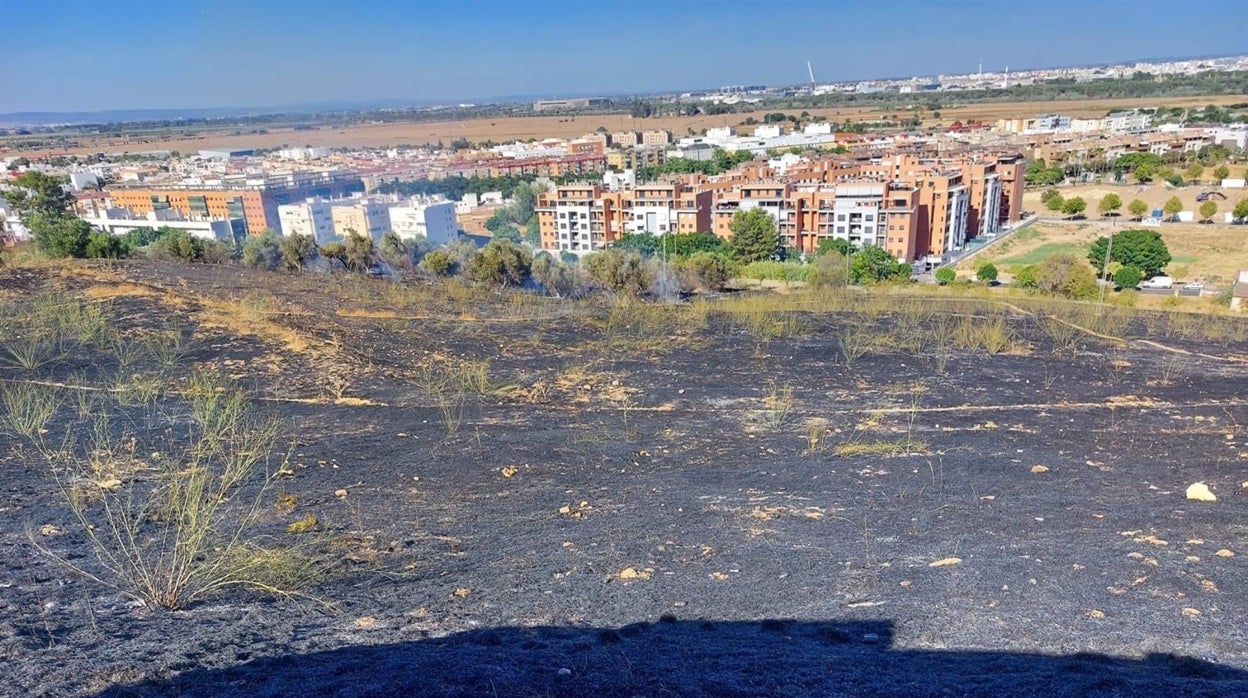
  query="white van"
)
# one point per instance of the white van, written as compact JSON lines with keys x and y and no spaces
{"x":1158,"y":282}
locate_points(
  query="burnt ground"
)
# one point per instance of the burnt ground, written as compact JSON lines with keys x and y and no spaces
{"x":667,"y":507}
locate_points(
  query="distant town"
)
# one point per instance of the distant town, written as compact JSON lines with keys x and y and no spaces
{"x":922,"y":194}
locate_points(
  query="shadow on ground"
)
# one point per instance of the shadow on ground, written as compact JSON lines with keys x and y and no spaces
{"x":693,"y":658}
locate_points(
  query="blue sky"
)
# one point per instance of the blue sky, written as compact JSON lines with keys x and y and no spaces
{"x":62,"y":55}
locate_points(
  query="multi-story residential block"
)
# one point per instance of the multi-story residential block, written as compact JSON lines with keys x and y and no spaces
{"x":433,"y":219}
{"x":361,"y":217}
{"x":656,"y":137}
{"x":625,"y":139}
{"x":585,"y":218}
{"x":312,"y":217}
{"x":255,"y":199}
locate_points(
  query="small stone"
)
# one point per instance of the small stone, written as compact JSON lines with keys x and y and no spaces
{"x":1199,"y":491}
{"x":50,"y":530}
{"x":1039,"y":468}
{"x":1225,"y":553}
{"x":340,"y":493}
{"x":1191,"y":612}
{"x":1095,"y":613}
{"x":564,"y":672}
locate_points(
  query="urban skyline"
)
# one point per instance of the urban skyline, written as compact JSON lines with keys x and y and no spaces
{"x":227,"y":54}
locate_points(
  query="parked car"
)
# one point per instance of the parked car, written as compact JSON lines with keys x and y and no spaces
{"x":1193,"y":286}
{"x":1158,"y":282}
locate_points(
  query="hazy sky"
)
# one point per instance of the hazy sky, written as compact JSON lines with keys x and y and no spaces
{"x":62,"y":55}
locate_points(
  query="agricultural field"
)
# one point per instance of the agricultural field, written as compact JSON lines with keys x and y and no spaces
{"x":502,"y":129}
{"x":449,"y":491}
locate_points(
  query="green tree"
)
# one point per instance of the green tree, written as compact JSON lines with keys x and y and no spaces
{"x":335,"y":252}
{"x":501,"y":263}
{"x":1221,"y":172}
{"x":1194,"y":171}
{"x":1066,"y":274}
{"x":57,"y":235}
{"x":946,"y":276}
{"x":35,"y":193}
{"x":987,"y":272}
{"x":263,"y":251}
{"x":1240,"y":212}
{"x":1055,"y":203}
{"x":1137,"y":208}
{"x":1074,"y":206}
{"x":754,"y":236}
{"x":438,"y":263}
{"x":1208,"y":209}
{"x":394,"y":251}
{"x":1172,"y":206}
{"x":1128,"y":277}
{"x":1109,"y":204}
{"x":298,"y":250}
{"x":1139,"y":248}
{"x":831,"y":270}
{"x":359,"y":253}
{"x":873,"y":263}
{"x":836,"y":245}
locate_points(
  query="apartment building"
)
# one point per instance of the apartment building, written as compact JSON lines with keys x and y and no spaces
{"x":625,"y":139}
{"x":635,"y":157}
{"x":433,"y":219}
{"x":656,"y":138}
{"x":361,"y":217}
{"x":311,"y":217}
{"x":585,"y":218}
{"x":255,"y":199}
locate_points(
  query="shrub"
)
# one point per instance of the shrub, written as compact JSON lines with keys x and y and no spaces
{"x":263,"y":251}
{"x":1066,"y":274}
{"x":777,"y":271}
{"x":829,"y":270}
{"x":1025,"y":277}
{"x":501,"y":263}
{"x":101,"y":245}
{"x":946,"y":275}
{"x":987,"y":272}
{"x":188,"y":531}
{"x":712,"y":269}
{"x":619,"y":272}
{"x":177,"y":245}
{"x":59,"y":235}
{"x":438,"y":263}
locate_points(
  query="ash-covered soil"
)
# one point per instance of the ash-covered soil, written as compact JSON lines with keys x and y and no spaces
{"x":633,"y":507}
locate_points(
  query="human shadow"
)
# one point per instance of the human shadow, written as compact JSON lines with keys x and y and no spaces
{"x":692,"y":658}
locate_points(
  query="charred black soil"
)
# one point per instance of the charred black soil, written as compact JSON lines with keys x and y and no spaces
{"x":860,"y":495}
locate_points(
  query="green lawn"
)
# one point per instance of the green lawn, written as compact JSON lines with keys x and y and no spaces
{"x":1035,"y":255}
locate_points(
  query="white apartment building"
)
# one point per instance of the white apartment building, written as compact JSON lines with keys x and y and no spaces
{"x":1127,"y":121}
{"x":360,"y":216}
{"x":119,"y":221}
{"x":858,"y":215}
{"x":432,"y":218}
{"x":955,"y":226}
{"x":312,"y":217}
{"x":302,"y":154}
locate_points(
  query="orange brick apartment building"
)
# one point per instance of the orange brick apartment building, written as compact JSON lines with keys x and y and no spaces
{"x":255,"y":200}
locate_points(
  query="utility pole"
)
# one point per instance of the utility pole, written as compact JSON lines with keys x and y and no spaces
{"x":1105,"y":269}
